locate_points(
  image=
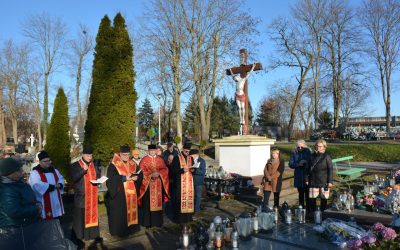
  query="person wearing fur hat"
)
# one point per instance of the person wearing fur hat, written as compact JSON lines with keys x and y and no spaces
{"x":48,"y":183}
{"x":85,"y":223}
{"x":18,"y":204}
{"x":184,"y":186}
{"x":154,"y":190}
{"x":123,"y":191}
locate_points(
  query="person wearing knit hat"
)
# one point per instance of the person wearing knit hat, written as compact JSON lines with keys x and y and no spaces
{"x":48,"y":183}
{"x":18,"y":203}
{"x":85,"y":224}
{"x":8,"y":166}
{"x":135,"y":156}
{"x":123,"y":191}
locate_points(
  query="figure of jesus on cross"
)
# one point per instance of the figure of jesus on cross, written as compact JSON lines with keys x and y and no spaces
{"x":240,"y":75}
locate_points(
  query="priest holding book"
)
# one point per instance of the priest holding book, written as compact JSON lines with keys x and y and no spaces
{"x":85,"y":224}
{"x":184,"y":186}
{"x":123,"y":183}
{"x":154,"y":189}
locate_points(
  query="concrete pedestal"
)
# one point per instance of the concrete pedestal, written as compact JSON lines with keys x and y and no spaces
{"x":245,"y":155}
{"x":31,"y":150}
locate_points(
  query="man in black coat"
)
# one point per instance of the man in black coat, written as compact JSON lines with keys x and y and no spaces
{"x":85,"y":222}
{"x":124,"y":180}
{"x":198,"y":171}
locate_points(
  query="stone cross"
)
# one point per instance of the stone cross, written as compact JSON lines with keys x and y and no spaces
{"x":32,"y":139}
{"x":244,"y":69}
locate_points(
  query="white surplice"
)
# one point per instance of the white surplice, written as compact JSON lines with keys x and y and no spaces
{"x":40,"y":188}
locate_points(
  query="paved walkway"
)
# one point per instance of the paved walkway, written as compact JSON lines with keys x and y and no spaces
{"x":167,"y":237}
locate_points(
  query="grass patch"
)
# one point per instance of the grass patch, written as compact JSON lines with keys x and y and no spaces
{"x":360,"y":152}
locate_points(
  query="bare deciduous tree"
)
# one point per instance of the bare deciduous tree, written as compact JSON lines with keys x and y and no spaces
{"x":307,"y":106}
{"x":355,"y":96}
{"x":48,"y":35}
{"x":341,"y":40}
{"x":161,"y":39}
{"x":32,"y":86}
{"x":313,"y":14}
{"x":14,"y":57}
{"x":3,"y":136}
{"x":294,"y":47}
{"x":381,"y":19}
{"x":80,"y":48}
{"x":215,"y":30}
{"x":194,"y":39}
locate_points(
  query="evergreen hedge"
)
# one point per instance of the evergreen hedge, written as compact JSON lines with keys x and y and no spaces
{"x":111,"y":111}
{"x":58,"y":142}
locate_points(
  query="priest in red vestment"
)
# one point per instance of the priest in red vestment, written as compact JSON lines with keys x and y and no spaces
{"x":85,"y":223}
{"x":184,"y":186}
{"x":122,"y":198}
{"x":154,"y":189}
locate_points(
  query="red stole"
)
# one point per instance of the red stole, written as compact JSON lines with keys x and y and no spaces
{"x":46,"y":197}
{"x":149,"y":165}
{"x":91,"y":196}
{"x":126,"y":169}
{"x":187,"y":189}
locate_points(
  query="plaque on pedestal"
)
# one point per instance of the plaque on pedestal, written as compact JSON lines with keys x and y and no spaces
{"x":31,"y":150}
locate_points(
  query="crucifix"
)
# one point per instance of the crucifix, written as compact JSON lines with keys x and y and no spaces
{"x":240,"y":75}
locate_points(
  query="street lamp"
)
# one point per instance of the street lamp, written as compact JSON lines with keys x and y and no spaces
{"x":159,"y":118}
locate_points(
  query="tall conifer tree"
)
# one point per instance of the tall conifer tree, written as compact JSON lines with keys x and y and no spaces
{"x":58,"y":142}
{"x":111,"y":110}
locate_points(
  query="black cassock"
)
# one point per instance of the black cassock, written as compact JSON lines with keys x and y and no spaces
{"x":116,"y":203}
{"x":78,"y":223}
{"x":177,"y":171}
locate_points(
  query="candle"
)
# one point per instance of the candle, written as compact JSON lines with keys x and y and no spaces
{"x":218,"y":240}
{"x":185,"y":240}
{"x":234,"y":239}
{"x":255,"y":224}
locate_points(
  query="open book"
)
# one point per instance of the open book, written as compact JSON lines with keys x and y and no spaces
{"x":196,"y":165}
{"x":138,"y":172}
{"x":100,"y":180}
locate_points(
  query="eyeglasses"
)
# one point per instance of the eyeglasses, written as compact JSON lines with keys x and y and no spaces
{"x":299,"y":148}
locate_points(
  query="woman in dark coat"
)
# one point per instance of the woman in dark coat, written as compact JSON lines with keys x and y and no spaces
{"x":319,"y":176}
{"x":273,"y":172}
{"x":298,"y":161}
{"x":18,"y":205}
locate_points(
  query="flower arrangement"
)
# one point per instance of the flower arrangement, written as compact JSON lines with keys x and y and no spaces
{"x":381,"y":237}
{"x":387,"y":191}
{"x":368,"y":199}
{"x":396,"y":175}
{"x":393,"y":201}
{"x":378,"y":202}
{"x":339,"y":232}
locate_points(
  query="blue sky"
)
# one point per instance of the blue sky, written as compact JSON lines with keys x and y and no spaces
{"x":90,"y":12}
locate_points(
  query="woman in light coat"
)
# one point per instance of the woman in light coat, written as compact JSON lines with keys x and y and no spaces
{"x":273,"y":172}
